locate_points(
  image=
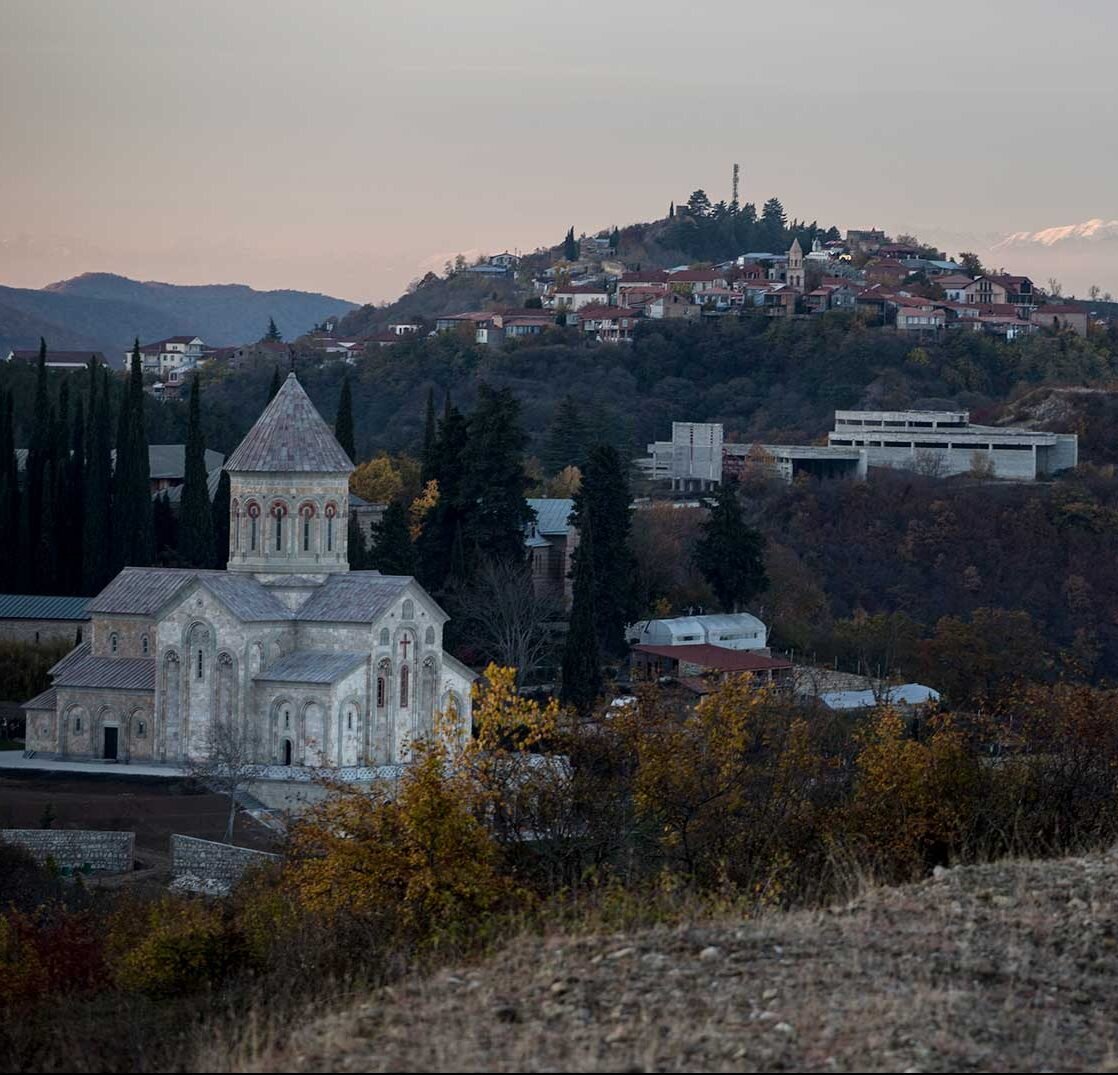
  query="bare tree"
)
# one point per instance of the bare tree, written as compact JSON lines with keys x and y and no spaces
{"x":1055,"y":288}
{"x":230,"y":762}
{"x":507,"y":618}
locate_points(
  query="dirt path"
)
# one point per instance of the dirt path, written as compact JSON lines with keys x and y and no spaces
{"x":1009,"y":967}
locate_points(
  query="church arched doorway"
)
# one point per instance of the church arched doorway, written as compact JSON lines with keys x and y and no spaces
{"x":287,"y":752}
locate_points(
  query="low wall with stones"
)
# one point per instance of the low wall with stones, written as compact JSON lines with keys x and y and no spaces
{"x":76,"y":849}
{"x":211,"y":861}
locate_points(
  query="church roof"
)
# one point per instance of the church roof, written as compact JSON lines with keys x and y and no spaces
{"x":82,"y":669}
{"x":312,"y":666}
{"x":16,"y":606}
{"x":143,"y":591}
{"x":357,"y":597}
{"x":290,"y":436}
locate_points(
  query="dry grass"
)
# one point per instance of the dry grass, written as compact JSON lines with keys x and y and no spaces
{"x":1002,"y":967}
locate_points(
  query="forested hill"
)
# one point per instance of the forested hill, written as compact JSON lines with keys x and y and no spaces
{"x":697,"y":231}
{"x":104,"y":312}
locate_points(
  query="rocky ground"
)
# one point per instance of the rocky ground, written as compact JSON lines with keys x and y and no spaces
{"x":1005,"y":967}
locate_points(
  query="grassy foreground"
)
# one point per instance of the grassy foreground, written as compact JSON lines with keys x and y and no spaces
{"x":1003,"y":967}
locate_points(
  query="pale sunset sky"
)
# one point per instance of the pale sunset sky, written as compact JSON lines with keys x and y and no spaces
{"x":339,"y":145}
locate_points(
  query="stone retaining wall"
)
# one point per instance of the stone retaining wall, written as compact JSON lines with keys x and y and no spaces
{"x":211,"y":861}
{"x":105,"y":852}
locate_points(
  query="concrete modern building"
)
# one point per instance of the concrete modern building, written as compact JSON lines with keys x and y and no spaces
{"x":942,"y":443}
{"x":303,"y":661}
{"x":697,"y":456}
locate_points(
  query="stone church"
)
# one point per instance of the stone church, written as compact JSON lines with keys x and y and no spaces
{"x":321,"y":665}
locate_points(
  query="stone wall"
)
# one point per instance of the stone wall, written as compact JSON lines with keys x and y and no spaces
{"x":105,"y":852}
{"x":210,"y":861}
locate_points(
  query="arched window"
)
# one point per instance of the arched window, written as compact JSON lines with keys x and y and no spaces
{"x":198,"y":671}
{"x":287,"y":718}
{"x":384,"y":636}
{"x":113,"y":642}
{"x":405,"y":677}
{"x":330,"y":512}
{"x":409,"y":609}
{"x":253,"y":510}
{"x":429,"y":636}
{"x":144,"y":644}
{"x":349,"y":720}
{"x":306,"y":513}
{"x":77,"y":724}
{"x":380,"y":692}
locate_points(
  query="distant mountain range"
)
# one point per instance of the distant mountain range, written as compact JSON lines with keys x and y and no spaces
{"x":1096,"y":230}
{"x":104,"y":312}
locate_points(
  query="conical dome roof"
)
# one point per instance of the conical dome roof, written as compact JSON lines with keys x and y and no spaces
{"x":290,"y":436}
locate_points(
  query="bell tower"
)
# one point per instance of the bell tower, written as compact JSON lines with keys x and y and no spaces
{"x":289,"y":492}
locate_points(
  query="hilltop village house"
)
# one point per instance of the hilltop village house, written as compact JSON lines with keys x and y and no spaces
{"x":317,"y":665}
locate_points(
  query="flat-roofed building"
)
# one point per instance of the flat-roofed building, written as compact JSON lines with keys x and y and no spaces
{"x":697,"y":456}
{"x":941,"y":443}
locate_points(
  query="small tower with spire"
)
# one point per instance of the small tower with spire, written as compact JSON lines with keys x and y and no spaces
{"x":289,"y":492}
{"x":794,"y":276}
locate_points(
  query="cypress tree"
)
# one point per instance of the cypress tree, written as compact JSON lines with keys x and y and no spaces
{"x":730,"y":553}
{"x":565,"y":445}
{"x":392,"y":552}
{"x":602,"y":505}
{"x":132,"y":499}
{"x":581,"y":671}
{"x":343,"y":423}
{"x":196,"y":529}
{"x":430,"y":434}
{"x":356,"y":552}
{"x":221,"y":522}
{"x":273,"y":334}
{"x":38,"y":455}
{"x":98,"y":556}
{"x":11,"y":565}
{"x":496,"y":511}
{"x":166,"y":529}
{"x":274,"y":387}
{"x":442,"y":524}
{"x":74,"y":507}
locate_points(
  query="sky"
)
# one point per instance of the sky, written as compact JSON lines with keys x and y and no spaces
{"x":343,"y":146}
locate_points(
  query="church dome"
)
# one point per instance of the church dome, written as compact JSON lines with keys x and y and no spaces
{"x":290,"y":436}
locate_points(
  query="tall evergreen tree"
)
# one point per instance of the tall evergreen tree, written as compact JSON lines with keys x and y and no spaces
{"x":196,"y":527}
{"x":132,"y":502}
{"x":496,"y":511}
{"x":442,"y":525}
{"x":273,"y":334}
{"x":392,"y":552}
{"x":570,"y":245}
{"x":730,"y":553}
{"x":97,"y":537}
{"x":357,"y":552}
{"x":430,"y":435}
{"x":582,"y":671}
{"x":166,"y":529}
{"x":274,"y":387}
{"x":565,"y":445}
{"x":11,"y":564}
{"x":74,"y":508}
{"x":221,"y":521}
{"x":343,"y":423}
{"x":602,"y":505}
{"x":38,"y":457}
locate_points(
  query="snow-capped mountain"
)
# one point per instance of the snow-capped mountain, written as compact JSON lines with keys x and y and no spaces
{"x":1094,"y":230}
